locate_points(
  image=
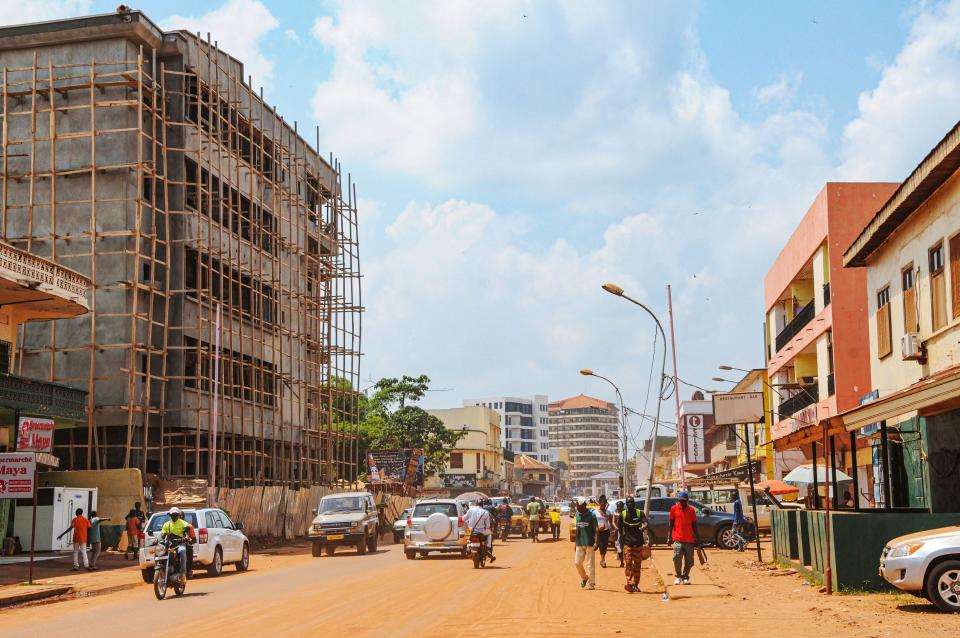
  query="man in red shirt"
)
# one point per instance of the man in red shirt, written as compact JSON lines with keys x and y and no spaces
{"x":79,"y":525}
{"x":683,"y":533}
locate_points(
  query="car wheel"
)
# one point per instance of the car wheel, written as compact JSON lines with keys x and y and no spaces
{"x":147,"y":575}
{"x":726,"y":538}
{"x":216,"y":567}
{"x":362,"y":544}
{"x":244,"y":563}
{"x":410,"y":554}
{"x":329,"y":549}
{"x":943,"y":586}
{"x":372,"y":543}
{"x":316,"y":549}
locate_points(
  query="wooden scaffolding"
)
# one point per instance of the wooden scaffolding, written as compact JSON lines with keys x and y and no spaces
{"x":224,"y":332}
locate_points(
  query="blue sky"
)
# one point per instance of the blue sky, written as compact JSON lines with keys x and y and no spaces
{"x":513,"y":156}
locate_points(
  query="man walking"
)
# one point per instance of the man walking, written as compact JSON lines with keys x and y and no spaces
{"x":95,"y":537}
{"x":79,"y":525}
{"x":739,"y":524}
{"x":586,"y":542}
{"x":632,"y":523}
{"x":603,"y":528}
{"x":683,"y":533}
{"x":617,"y":527}
{"x":554,"y":514}
{"x":533,"y":512}
{"x":134,"y":533}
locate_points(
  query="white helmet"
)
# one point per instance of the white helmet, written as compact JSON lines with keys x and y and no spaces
{"x":175,"y":510}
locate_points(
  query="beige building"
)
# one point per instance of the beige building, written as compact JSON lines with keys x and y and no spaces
{"x":477,"y":460}
{"x":911,"y":250}
{"x":588,"y":429}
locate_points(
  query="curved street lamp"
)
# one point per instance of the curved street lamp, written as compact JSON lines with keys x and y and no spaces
{"x":614,"y":289}
{"x":587,"y":372}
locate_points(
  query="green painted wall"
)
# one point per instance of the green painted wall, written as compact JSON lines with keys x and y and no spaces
{"x":857,"y":540}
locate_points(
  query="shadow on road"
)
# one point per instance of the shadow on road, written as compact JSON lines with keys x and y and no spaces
{"x":919,"y":608}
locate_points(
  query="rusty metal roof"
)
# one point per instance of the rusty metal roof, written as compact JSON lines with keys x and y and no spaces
{"x":935,"y":169}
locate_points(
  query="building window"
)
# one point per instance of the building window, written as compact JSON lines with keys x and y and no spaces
{"x":883,"y":323}
{"x":955,"y":274}
{"x":456,"y":460}
{"x":910,"y":323}
{"x":938,"y":287}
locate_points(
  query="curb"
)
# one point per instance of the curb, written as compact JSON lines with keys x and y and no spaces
{"x":30,"y":596}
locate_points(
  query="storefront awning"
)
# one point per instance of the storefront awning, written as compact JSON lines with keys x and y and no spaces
{"x":937,"y":392}
{"x":808,"y":434}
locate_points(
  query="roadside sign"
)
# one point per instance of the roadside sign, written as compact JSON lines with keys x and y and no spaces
{"x":736,"y":408}
{"x":34,"y":434}
{"x":17,"y":474}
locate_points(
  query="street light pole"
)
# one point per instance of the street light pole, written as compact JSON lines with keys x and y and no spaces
{"x":614,"y":289}
{"x":623,"y":423}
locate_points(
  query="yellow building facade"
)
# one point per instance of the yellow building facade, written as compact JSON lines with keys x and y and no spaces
{"x":476,"y":461}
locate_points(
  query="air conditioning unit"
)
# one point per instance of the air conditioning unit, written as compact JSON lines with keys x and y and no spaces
{"x":912,"y":347}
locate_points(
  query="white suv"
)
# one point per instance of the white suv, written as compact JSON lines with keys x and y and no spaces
{"x":436,"y":525}
{"x":926,"y":564}
{"x":219,"y":541}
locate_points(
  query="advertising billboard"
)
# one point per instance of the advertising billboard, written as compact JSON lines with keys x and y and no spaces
{"x":736,"y":408}
{"x":694,"y":438}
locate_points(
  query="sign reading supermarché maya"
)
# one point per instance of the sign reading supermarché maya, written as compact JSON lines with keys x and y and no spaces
{"x":35,"y":434}
{"x":17,"y":471}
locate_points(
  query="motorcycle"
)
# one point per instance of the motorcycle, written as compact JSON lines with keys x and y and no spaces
{"x":166,"y":568}
{"x":478,"y":549}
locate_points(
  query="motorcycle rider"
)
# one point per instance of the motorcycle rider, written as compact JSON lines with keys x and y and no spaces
{"x":177,"y":527}
{"x":477,"y":519}
{"x":506,"y":516}
{"x":494,"y":518}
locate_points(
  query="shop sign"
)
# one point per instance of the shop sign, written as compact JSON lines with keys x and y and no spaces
{"x":34,"y":434}
{"x":17,"y":472}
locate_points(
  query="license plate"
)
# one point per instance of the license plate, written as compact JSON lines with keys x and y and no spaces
{"x":434,"y":544}
{"x":335,"y":537}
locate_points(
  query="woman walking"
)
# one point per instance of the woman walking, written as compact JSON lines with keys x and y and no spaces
{"x":603,"y":529}
{"x":632,"y":526}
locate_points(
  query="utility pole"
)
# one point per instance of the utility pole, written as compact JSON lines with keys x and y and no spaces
{"x":681,"y":433}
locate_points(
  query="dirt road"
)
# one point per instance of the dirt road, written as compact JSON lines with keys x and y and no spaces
{"x":532,"y":590}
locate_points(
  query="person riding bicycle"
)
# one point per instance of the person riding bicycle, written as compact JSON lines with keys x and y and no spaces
{"x":178,"y":528}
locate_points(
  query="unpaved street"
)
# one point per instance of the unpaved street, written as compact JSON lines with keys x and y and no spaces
{"x":531,"y":590}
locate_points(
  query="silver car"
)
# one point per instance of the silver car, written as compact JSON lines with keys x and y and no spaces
{"x":926,"y":564}
{"x":436,"y":525}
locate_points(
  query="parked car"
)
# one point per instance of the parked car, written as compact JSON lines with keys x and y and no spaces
{"x":219,"y":541}
{"x":926,"y":564}
{"x":721,"y":498}
{"x":436,"y":525}
{"x":713,"y":526}
{"x":349,"y":518}
{"x":400,"y":525}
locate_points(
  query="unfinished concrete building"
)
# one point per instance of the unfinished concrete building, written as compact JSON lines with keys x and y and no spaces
{"x":224,"y":331}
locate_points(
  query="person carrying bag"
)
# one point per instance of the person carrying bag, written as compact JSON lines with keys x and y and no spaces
{"x":633,"y":524}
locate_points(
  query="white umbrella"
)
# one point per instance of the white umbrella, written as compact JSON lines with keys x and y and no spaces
{"x":803,"y":475}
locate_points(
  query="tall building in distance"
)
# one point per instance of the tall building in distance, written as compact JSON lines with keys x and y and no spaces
{"x":524,"y":423}
{"x":588,"y":429}
{"x":221,"y":249}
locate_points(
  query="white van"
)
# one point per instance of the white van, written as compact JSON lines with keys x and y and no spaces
{"x":721,"y":498}
{"x":659,"y":491}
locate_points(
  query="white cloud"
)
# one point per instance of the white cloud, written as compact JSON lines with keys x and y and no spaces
{"x":238,"y":27}
{"x":37,"y":10}
{"x":912,"y":107}
{"x":292,"y":36}
{"x":515,"y":123}
{"x":781,"y":92}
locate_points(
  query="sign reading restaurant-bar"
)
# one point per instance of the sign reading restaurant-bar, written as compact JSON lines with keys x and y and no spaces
{"x":17,"y":471}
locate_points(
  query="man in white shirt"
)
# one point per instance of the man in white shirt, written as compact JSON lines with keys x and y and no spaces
{"x":478,"y":520}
